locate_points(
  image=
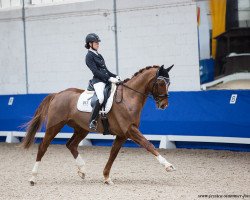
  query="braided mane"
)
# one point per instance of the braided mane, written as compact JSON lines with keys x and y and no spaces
{"x":140,"y":71}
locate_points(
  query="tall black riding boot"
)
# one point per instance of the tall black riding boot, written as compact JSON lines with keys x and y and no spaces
{"x":94,"y":116}
{"x":105,"y":124}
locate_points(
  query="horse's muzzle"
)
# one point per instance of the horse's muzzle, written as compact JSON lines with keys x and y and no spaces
{"x":162,"y":105}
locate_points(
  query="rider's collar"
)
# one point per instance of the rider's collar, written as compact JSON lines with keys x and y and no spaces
{"x":95,"y":52}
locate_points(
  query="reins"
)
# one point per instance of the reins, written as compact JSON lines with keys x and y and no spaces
{"x":146,"y":95}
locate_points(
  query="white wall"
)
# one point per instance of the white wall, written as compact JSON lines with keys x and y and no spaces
{"x":12,"y":63}
{"x":164,"y":34}
{"x":244,"y":13}
{"x":10,"y":4}
{"x":204,"y":27}
{"x":55,"y":40}
{"x":149,"y":32}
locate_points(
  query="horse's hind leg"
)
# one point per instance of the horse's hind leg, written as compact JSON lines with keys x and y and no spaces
{"x":49,"y":136}
{"x":72,"y":145}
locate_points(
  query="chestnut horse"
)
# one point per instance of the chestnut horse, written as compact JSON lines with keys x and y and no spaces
{"x":59,"y":109}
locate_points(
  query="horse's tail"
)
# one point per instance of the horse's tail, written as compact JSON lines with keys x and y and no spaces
{"x":35,"y":123}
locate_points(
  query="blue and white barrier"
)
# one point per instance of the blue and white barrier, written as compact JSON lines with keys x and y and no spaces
{"x":205,"y":119}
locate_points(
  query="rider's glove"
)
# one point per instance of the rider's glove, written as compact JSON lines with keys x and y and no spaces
{"x":113,"y":80}
{"x":119,"y":78}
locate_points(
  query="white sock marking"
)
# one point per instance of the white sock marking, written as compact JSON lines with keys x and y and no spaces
{"x":163,"y":161}
{"x":34,"y":172}
{"x":35,"y":168}
{"x":80,"y":164}
{"x":79,"y":161}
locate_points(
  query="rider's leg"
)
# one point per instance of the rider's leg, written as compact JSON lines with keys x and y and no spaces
{"x":94,"y":116}
{"x":99,"y":88}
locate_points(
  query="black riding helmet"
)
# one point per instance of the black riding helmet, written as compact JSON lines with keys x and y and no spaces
{"x":92,"y":37}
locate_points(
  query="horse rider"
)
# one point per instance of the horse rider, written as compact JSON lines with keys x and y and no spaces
{"x":102,"y":75}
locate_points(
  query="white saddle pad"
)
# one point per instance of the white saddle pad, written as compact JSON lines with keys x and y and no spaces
{"x":84,"y":101}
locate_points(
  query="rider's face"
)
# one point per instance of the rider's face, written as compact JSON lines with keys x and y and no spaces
{"x":95,"y":45}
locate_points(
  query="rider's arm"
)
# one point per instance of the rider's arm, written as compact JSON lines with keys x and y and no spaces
{"x":97,"y":73}
{"x":111,"y":74}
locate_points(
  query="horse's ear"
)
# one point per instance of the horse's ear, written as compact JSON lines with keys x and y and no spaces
{"x":169,"y":68}
{"x":161,"y":68}
{"x":160,"y":71}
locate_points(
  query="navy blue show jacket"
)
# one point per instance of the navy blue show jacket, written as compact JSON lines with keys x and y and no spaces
{"x":98,"y":67}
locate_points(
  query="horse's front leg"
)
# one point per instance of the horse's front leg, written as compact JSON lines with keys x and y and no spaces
{"x":135,"y":135}
{"x":113,"y":153}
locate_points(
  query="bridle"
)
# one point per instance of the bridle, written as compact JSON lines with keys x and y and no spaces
{"x":157,"y":97}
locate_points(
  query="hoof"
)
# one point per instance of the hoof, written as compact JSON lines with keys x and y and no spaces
{"x":32,"y":183}
{"x":32,"y":180}
{"x":82,"y":175}
{"x":170,"y":168}
{"x":108,"y":182}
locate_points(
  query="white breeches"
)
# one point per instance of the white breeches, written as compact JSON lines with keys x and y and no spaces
{"x":99,"y":88}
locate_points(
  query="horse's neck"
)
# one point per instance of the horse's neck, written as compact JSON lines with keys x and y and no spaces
{"x":141,"y":84}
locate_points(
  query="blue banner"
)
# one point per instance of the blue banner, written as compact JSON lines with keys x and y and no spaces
{"x":205,"y":113}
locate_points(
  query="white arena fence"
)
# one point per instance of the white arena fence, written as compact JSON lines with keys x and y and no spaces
{"x":166,"y":141}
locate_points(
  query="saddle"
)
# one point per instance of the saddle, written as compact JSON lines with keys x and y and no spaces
{"x":88,"y":99}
